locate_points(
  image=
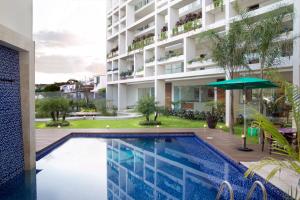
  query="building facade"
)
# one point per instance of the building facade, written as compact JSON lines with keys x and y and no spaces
{"x":17,"y":139}
{"x":153,"y":48}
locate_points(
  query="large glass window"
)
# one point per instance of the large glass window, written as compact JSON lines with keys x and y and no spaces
{"x":145,"y":92}
{"x":174,"y":68}
{"x":193,"y":93}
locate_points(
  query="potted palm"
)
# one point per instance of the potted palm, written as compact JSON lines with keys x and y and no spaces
{"x":212,"y":118}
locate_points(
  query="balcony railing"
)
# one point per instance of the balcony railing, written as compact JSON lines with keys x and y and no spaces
{"x":170,"y":54}
{"x":189,"y":26}
{"x":126,"y":75}
{"x":112,"y":54}
{"x":162,"y":36}
{"x":150,"y":60}
{"x":141,"y":43}
{"x":201,"y":58}
{"x":141,"y":4}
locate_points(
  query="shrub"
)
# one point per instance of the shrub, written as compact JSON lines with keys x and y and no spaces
{"x":200,"y":115}
{"x":147,"y":106}
{"x":57,"y":123}
{"x":101,"y":106}
{"x":55,"y":107}
{"x":114,"y":111}
{"x":149,"y":123}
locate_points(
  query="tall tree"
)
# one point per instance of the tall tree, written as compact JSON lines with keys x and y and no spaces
{"x":265,"y":41}
{"x":229,"y":51}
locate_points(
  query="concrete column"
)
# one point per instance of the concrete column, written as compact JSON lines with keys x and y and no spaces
{"x":172,"y":19}
{"x":189,"y":51}
{"x":204,"y":14}
{"x":130,"y":14}
{"x":122,"y":94}
{"x":227,"y":92}
{"x":159,"y":70}
{"x":28,"y":106}
{"x":296,"y":44}
{"x":216,"y":95}
{"x":227,"y":107}
{"x":160,"y":92}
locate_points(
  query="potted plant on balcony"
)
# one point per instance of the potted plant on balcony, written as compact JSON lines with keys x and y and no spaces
{"x":163,"y":34}
{"x":218,"y":4}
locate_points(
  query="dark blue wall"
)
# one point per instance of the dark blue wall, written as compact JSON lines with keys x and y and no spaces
{"x":11,"y":139}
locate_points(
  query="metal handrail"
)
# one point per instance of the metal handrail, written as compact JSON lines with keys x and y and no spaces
{"x":222,"y":187}
{"x":253,"y":187}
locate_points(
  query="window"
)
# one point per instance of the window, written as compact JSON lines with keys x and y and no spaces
{"x":174,"y":68}
{"x":145,"y":92}
{"x":97,"y":79}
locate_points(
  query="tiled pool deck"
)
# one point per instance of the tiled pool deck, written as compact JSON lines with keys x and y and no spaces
{"x":224,"y":142}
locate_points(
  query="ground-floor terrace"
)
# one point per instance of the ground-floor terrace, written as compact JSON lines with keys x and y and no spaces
{"x":192,"y":93}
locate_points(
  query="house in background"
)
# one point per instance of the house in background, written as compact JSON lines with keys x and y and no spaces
{"x":100,"y":82}
{"x":17,"y":132}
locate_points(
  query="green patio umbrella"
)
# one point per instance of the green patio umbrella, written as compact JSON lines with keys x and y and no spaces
{"x":243,"y":83}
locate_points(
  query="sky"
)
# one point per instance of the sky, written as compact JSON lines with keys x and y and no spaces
{"x":70,"y":38}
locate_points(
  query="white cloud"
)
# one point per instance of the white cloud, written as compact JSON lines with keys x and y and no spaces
{"x":70,"y":38}
{"x":56,"y":38}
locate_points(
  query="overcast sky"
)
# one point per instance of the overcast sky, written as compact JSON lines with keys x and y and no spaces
{"x":70,"y":39}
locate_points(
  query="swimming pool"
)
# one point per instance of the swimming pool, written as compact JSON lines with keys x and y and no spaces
{"x":132,"y":167}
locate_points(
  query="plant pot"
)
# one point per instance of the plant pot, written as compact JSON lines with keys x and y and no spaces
{"x":211,"y":122}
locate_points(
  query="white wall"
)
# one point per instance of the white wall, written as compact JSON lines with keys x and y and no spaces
{"x":132,"y":92}
{"x":17,"y":16}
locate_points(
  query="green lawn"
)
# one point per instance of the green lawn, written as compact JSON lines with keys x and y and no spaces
{"x":167,"y":122}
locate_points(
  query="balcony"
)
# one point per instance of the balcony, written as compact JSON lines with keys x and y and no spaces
{"x":189,"y":23}
{"x":163,"y":33}
{"x":141,"y":42}
{"x":201,"y":61}
{"x":142,"y":4}
{"x":126,"y":75}
{"x":139,"y":72}
{"x":113,"y":53}
{"x":150,"y":60}
{"x":171,"y":57}
{"x":115,"y":69}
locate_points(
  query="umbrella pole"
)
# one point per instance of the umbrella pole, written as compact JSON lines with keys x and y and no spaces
{"x":244,"y":135}
{"x":245,"y":121}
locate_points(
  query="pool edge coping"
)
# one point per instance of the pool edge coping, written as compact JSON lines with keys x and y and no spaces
{"x":237,"y":164}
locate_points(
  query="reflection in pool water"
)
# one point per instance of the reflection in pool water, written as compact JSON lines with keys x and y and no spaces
{"x":130,"y":168}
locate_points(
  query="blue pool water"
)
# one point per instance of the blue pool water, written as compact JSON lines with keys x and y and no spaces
{"x":177,"y":168}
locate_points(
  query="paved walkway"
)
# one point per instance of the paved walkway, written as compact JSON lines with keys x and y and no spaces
{"x":119,"y":117}
{"x":224,"y":142}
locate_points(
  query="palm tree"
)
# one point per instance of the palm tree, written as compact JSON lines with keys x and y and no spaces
{"x":290,"y":154}
{"x":229,"y":52}
{"x":264,"y":34}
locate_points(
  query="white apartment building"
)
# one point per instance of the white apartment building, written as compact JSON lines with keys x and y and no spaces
{"x":100,"y":81}
{"x":171,"y":63}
